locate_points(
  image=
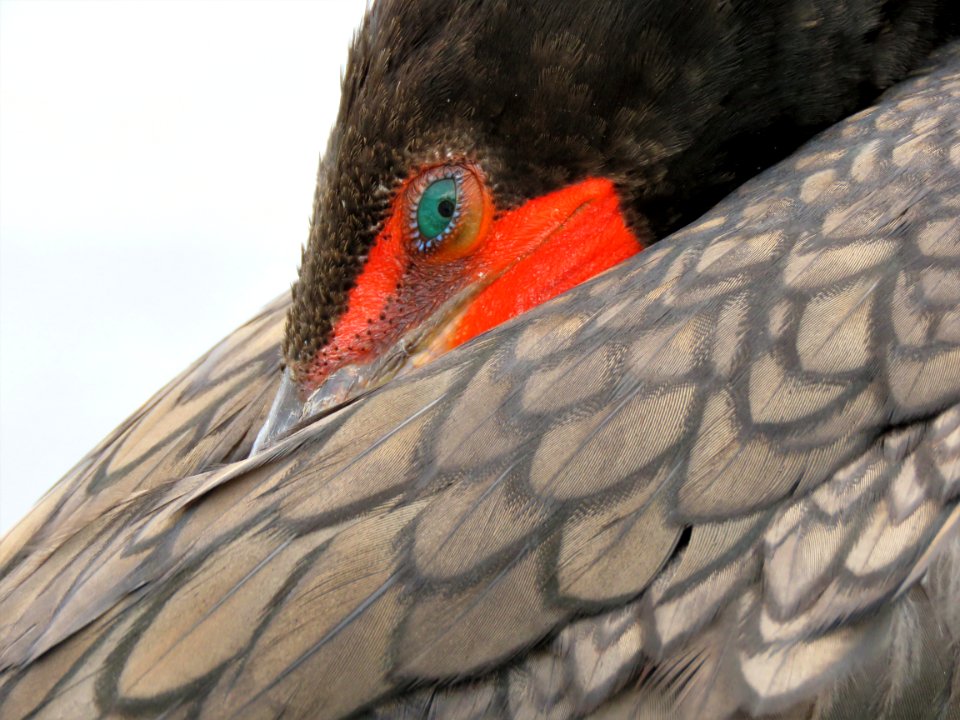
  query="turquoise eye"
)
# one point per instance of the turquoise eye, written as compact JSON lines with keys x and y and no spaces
{"x":446,"y":212}
{"x":436,"y":211}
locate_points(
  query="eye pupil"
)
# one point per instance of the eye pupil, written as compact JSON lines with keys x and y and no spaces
{"x":446,"y":208}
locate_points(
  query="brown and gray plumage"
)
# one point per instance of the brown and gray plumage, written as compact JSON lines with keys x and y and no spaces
{"x":721,"y":480}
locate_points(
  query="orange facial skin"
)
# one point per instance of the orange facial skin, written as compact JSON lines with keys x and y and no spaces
{"x":546,"y":247}
{"x":515,"y":260}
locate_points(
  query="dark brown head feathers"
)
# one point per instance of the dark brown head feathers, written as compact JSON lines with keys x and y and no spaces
{"x":676,"y":102}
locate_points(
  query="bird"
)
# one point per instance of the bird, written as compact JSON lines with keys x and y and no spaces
{"x":621,"y":379}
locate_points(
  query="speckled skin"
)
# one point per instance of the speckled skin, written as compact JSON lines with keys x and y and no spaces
{"x":721,"y":480}
{"x":677,"y":102}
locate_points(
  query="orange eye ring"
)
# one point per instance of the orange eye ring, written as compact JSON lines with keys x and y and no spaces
{"x":447,"y":211}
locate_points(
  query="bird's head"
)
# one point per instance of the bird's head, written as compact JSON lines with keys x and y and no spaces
{"x":486,"y":157}
{"x":448,"y":260}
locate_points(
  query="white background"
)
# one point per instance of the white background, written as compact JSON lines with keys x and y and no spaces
{"x":157,"y":166}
